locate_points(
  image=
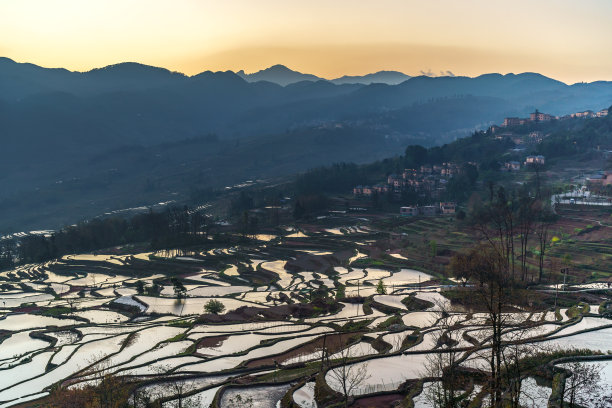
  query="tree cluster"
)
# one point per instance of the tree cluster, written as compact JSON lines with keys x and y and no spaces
{"x":174,"y":227}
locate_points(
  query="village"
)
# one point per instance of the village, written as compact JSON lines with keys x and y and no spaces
{"x":426,"y":181}
{"x":427,"y":184}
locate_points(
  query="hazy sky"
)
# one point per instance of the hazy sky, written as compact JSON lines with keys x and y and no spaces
{"x":568,"y":40}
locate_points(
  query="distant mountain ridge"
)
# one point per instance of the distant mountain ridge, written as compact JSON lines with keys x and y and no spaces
{"x":284,"y":76}
{"x":380,"y":77}
{"x":279,"y":74}
{"x":58,"y":126}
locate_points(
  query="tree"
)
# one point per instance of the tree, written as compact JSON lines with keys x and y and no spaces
{"x":214,"y":306}
{"x":109,"y":391}
{"x":495,"y":292}
{"x":496,"y":223}
{"x":180,"y":291}
{"x":140,"y":287}
{"x":416,"y":155}
{"x":545,"y":220}
{"x":582,"y":383}
{"x":516,"y":350}
{"x":380,"y":288}
{"x":528,"y":208}
{"x":471,"y":172}
{"x":340,"y":291}
{"x":443,"y":365}
{"x":179,"y":389}
{"x":433,"y":248}
{"x":349,"y":377}
{"x":239,"y":401}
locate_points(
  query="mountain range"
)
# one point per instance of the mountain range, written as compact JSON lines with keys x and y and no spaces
{"x":280,"y":74}
{"x":75,"y":144}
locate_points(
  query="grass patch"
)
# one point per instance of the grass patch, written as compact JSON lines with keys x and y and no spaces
{"x":393,"y":320}
{"x":412,"y":303}
{"x":182,"y":323}
{"x":578,"y":310}
{"x":178,"y":337}
{"x":353,"y":326}
{"x":56,"y":311}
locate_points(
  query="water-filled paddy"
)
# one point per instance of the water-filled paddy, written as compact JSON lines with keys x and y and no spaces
{"x":111,"y":318}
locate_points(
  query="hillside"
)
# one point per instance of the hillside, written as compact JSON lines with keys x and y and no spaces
{"x":62,"y":129}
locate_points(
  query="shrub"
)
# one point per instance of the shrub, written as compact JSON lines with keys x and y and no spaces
{"x":214,"y":306}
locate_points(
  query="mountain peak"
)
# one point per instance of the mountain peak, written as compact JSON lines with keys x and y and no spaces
{"x":278,"y":67}
{"x":279,"y":74}
{"x":130,"y":68}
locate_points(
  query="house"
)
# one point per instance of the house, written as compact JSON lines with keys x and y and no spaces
{"x":512,"y":166}
{"x":428,"y":210}
{"x":603,"y":179}
{"x":448,"y":207}
{"x":409,"y":211}
{"x":363,"y":190}
{"x":602,"y":113}
{"x":540,"y":117}
{"x":512,"y":122}
{"x":585,"y":114}
{"x":533,"y":160}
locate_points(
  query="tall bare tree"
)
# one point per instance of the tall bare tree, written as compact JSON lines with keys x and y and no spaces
{"x":583,"y":384}
{"x":444,"y":364}
{"x":348,"y":376}
{"x":495,"y":292}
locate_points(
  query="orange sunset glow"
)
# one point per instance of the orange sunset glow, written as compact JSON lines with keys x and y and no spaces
{"x":566,"y":40}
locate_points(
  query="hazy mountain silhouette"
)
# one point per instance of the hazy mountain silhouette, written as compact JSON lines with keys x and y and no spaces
{"x":279,"y":74}
{"x":380,"y":77}
{"x":57,"y":126}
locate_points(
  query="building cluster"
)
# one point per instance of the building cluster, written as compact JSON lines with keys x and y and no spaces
{"x":428,"y":210}
{"x":533,"y":117}
{"x":427,"y":181}
{"x":546,"y":117}
{"x":535,"y":160}
{"x":520,"y":141}
{"x":587,"y":114}
{"x":538,"y":160}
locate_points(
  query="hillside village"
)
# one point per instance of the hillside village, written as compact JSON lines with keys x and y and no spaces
{"x":427,"y":184}
{"x":538,"y":116}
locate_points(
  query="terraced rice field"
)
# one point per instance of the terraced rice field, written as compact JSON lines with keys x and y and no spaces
{"x":80,"y":316}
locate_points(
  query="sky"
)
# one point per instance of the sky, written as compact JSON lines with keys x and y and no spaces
{"x":566,"y":40}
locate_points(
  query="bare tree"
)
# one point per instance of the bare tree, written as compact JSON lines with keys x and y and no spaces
{"x":179,"y":389}
{"x":583,"y":384}
{"x":541,"y":231}
{"x":349,"y":376}
{"x":239,"y":401}
{"x":444,"y":364}
{"x":496,"y":295}
{"x":517,"y":347}
{"x":496,"y":223}
{"x":110,"y":390}
{"x":526,"y":216}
